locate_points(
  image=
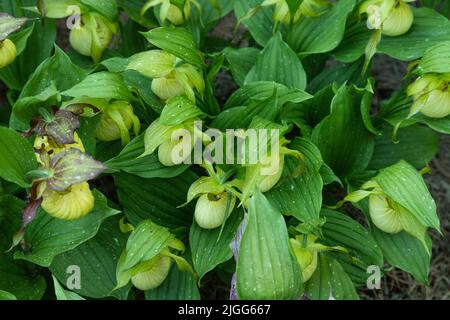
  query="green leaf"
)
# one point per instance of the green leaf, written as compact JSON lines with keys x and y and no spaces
{"x":103,"y":85}
{"x":7,"y":296}
{"x":266,"y":268}
{"x":288,"y":71}
{"x":129,"y":161}
{"x":341,"y":230}
{"x":404,"y":252}
{"x":105,"y":7}
{"x":261,"y":24}
{"x":97,"y":260}
{"x":156,"y":199}
{"x":178,"y":42}
{"x":240,"y":62}
{"x":300,"y":195}
{"x":55,"y":73}
{"x":436,"y":59}
{"x":417,"y":145}
{"x":179,"y":285}
{"x":145,"y":243}
{"x":342,"y":138}
{"x":263,"y":90}
{"x":63,"y":294}
{"x":212,"y":247}
{"x":404,"y":184}
{"x":429,"y":29}
{"x":313,"y":110}
{"x":323,"y":33}
{"x":10,"y":24}
{"x":133,"y":7}
{"x":17,"y":157}
{"x":19,"y":278}
{"x":330,"y":282}
{"x":47,"y":237}
{"x":179,"y":110}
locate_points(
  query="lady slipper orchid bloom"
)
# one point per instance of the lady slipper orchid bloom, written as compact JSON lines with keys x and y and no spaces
{"x":7,"y":53}
{"x":154,"y":275}
{"x":72,"y":204}
{"x":431,"y":94}
{"x":116,"y":121}
{"x":306,"y":253}
{"x":64,"y":191}
{"x":282,"y":13}
{"x":93,"y":36}
{"x":170,"y":11}
{"x":171,"y":77}
{"x":212,"y":210}
{"x":392,"y":17}
{"x":50,"y":146}
{"x":386,"y":214}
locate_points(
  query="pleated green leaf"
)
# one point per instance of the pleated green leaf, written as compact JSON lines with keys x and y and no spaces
{"x":417,"y":146}
{"x":47,"y":237}
{"x":156,"y":199}
{"x":342,"y":138}
{"x":330,"y":282}
{"x":212,"y":247}
{"x":404,"y":252}
{"x":19,"y":278}
{"x":436,"y":59}
{"x":261,"y":24}
{"x":405,"y":185}
{"x":177,"y":41}
{"x":97,"y":260}
{"x":144,"y":243}
{"x":105,"y":7}
{"x":300,"y":196}
{"x":57,"y":72}
{"x":17,"y":157}
{"x":341,"y":230}
{"x":288,"y":69}
{"x":240,"y":62}
{"x":323,"y":33}
{"x":262,"y":90}
{"x":266,"y":267}
{"x":429,"y":28}
{"x":103,"y":85}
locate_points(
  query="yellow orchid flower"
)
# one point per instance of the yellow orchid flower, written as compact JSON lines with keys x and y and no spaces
{"x":171,"y":12}
{"x":50,"y":146}
{"x":8,"y":52}
{"x":116,"y":121}
{"x":306,"y":253}
{"x":93,"y":36}
{"x":392,"y":17}
{"x":154,"y":275}
{"x":73,"y":204}
{"x":171,"y":77}
{"x":431,"y":94}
